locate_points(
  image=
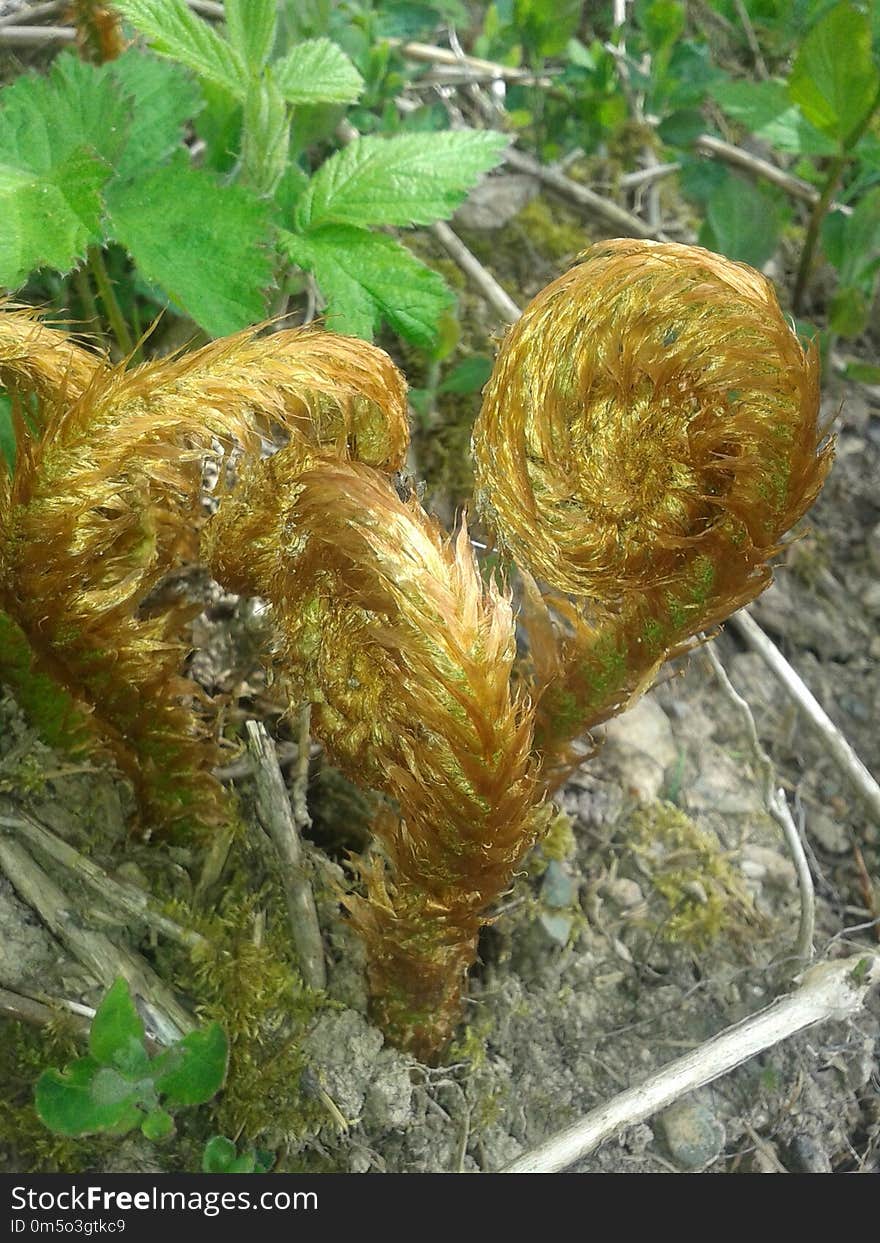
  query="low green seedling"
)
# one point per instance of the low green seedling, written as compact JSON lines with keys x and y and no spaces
{"x":119,"y":1086}
{"x":222,"y":1157}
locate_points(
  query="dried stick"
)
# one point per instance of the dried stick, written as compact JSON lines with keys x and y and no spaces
{"x":836,"y":745}
{"x":751,"y":38}
{"x":642,"y":176}
{"x":208,"y":8}
{"x":830,"y":990}
{"x":427,"y":52}
{"x":35,"y":13}
{"x":777,"y":806}
{"x":495,"y":295}
{"x":611,"y":213}
{"x":708,"y":144}
{"x":126,"y":898}
{"x":274,"y":810}
{"x":26,"y":1010}
{"x":25,"y":36}
{"x":95,"y":951}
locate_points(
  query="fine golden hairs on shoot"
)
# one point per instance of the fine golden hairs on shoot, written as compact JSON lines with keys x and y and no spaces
{"x":648,"y":434}
{"x":406,"y":655}
{"x":103,"y":502}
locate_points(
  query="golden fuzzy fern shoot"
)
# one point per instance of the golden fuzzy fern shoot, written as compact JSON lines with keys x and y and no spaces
{"x":406,"y":655}
{"x":648,"y":434}
{"x":104,"y":502}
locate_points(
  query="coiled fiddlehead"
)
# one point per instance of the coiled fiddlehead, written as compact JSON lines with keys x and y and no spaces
{"x":406,"y":656}
{"x":648,"y":434}
{"x":103,"y":504}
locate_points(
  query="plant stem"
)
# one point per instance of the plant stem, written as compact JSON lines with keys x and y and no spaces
{"x":98,"y":269}
{"x":817,"y":215}
{"x":838,"y":164}
{"x":86,"y":296}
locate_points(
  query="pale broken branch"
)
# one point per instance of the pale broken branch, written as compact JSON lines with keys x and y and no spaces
{"x":277,"y":817}
{"x":830,"y":990}
{"x":93,"y":949}
{"x":777,"y":806}
{"x":610,"y":213}
{"x":485,"y":282}
{"x":836,"y":745}
{"x":128,"y":899}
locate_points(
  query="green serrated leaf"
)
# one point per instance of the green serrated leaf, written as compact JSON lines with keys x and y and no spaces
{"x":315,"y":72}
{"x":742,"y":222}
{"x":219,"y":1155}
{"x":367,"y":277}
{"x":49,"y":219}
{"x":115,"y":1025}
{"x":201,"y":241}
{"x":834,"y":79}
{"x":157,"y":1125}
{"x":766,"y":110}
{"x":163,"y":98}
{"x":194,"y":1070}
{"x":58,"y":136}
{"x":66,"y":1104}
{"x":251,"y":25}
{"x":174,"y":30}
{"x":408,"y":179}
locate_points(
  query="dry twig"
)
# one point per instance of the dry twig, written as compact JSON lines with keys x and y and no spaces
{"x":26,"y":36}
{"x":777,"y":807}
{"x":95,"y":951}
{"x":495,"y":295}
{"x":130,"y":900}
{"x":830,"y":990}
{"x":836,"y":745}
{"x":282,"y":825}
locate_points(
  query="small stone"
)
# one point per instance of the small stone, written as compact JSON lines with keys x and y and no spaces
{"x":645,"y":727}
{"x":624,"y":893}
{"x":873,"y":544}
{"x":830,"y":835}
{"x":767,"y":867}
{"x":558,"y":888}
{"x":557,"y":927}
{"x":693,"y":1136}
{"x":809,"y":1155}
{"x":496,"y":200}
{"x":871,"y":600}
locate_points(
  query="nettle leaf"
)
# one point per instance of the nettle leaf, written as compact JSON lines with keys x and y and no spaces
{"x":49,"y":218}
{"x":115,"y":1027}
{"x":194,"y":1069}
{"x":742,"y":222}
{"x":408,"y":179}
{"x":204,"y":243}
{"x":163,"y":98}
{"x":58,"y":136}
{"x":766,"y":110}
{"x":367,"y":277}
{"x":315,"y":72}
{"x":834,"y":79}
{"x":251,"y":25}
{"x":174,"y":30}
